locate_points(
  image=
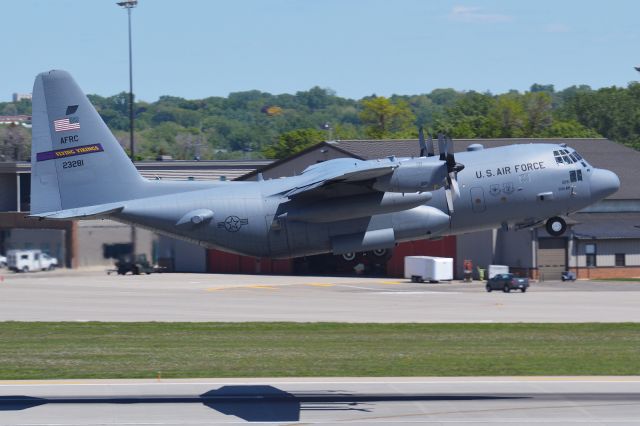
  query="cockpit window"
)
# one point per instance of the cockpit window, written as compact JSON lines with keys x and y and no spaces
{"x":564,"y":156}
{"x":558,"y":156}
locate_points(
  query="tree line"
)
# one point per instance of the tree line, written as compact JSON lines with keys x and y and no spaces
{"x":255,"y":124}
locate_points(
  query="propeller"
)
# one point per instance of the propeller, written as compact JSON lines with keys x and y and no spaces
{"x":430,"y":152}
{"x":426,"y":148}
{"x":446,"y":154}
{"x":445,"y":148}
{"x":441,"y":147}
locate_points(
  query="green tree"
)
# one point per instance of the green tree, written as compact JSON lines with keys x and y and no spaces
{"x":15,"y":143}
{"x":292,"y":142}
{"x":537,"y":106}
{"x":384,"y":119}
{"x":568,"y":129}
{"x":509,"y":116}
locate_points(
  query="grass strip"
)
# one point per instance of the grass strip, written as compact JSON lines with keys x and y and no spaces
{"x":58,"y":350}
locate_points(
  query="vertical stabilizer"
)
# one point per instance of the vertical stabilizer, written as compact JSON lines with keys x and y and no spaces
{"x":76,"y":161}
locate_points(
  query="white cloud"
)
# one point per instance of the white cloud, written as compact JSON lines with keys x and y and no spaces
{"x":476,"y":14}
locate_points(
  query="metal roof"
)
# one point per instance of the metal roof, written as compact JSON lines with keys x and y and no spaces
{"x":198,"y":170}
{"x":173,"y":169}
{"x":606,"y":225}
{"x":13,"y":167}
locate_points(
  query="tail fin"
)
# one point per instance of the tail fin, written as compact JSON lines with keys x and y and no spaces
{"x":76,"y":161}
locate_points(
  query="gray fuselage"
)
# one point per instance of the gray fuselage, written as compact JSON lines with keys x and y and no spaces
{"x":517,"y":185}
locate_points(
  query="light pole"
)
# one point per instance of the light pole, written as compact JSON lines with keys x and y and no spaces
{"x":327,"y":126}
{"x":130,"y":4}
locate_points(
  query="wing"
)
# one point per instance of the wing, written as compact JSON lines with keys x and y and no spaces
{"x":337,"y":178}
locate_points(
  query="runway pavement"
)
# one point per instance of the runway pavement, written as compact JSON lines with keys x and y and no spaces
{"x":517,"y":401}
{"x":96,"y":296}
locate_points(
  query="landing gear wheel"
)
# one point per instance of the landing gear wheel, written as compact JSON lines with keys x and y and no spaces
{"x":556,"y":226}
{"x":349,"y":256}
{"x":380,"y":252}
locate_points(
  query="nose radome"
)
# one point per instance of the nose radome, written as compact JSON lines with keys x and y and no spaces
{"x":603,"y":183}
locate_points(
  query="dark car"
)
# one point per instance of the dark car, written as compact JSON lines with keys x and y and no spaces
{"x":507,"y":282}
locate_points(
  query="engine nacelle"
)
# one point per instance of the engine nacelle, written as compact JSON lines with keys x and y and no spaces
{"x":345,"y":208}
{"x":422,"y":221}
{"x":415,"y":175}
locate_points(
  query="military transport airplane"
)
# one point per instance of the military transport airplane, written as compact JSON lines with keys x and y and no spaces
{"x":344,"y":205}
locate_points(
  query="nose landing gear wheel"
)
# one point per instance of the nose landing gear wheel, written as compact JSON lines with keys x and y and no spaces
{"x":556,"y":226}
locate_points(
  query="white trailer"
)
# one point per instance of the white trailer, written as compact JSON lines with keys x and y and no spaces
{"x":30,"y":260}
{"x":493,"y":270}
{"x":428,"y":268}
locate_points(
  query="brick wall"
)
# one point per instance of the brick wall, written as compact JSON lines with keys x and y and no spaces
{"x":607,"y":272}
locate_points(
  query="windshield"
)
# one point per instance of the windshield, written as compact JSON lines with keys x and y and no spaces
{"x":568,"y":156}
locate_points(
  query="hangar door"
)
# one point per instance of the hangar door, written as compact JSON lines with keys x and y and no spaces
{"x":552,"y":258}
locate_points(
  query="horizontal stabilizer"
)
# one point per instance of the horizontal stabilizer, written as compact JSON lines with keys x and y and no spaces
{"x":81,"y":212}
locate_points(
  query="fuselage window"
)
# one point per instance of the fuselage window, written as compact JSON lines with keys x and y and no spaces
{"x":572,"y":176}
{"x":579,"y":173}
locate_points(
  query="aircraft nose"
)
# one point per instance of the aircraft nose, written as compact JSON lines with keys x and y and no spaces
{"x":603,"y":183}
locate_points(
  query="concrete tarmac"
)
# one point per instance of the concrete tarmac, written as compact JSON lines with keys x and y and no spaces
{"x":388,"y":401}
{"x":96,"y":296}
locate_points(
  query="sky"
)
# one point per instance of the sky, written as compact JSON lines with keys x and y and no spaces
{"x":200,"y":48}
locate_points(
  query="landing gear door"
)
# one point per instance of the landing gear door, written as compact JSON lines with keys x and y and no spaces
{"x":477,"y":199}
{"x":277,"y":236}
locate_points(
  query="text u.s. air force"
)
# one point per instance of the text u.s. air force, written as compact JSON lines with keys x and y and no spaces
{"x":507,"y":170}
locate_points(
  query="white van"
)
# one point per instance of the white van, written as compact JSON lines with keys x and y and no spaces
{"x":30,"y":260}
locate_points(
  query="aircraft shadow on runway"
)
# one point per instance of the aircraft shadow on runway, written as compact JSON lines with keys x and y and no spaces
{"x":253,"y":403}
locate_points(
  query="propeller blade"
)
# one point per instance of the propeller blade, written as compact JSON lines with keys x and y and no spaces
{"x":442,"y":147}
{"x":449,"y":198}
{"x":423,"y":145}
{"x":451,"y":161}
{"x":454,"y":184}
{"x":430,"y":152}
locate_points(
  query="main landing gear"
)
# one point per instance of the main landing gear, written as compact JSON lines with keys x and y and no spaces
{"x":556,"y":226}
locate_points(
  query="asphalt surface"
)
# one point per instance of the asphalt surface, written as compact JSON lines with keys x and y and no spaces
{"x":96,"y":296}
{"x":84,"y":296}
{"x":515,"y":401}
